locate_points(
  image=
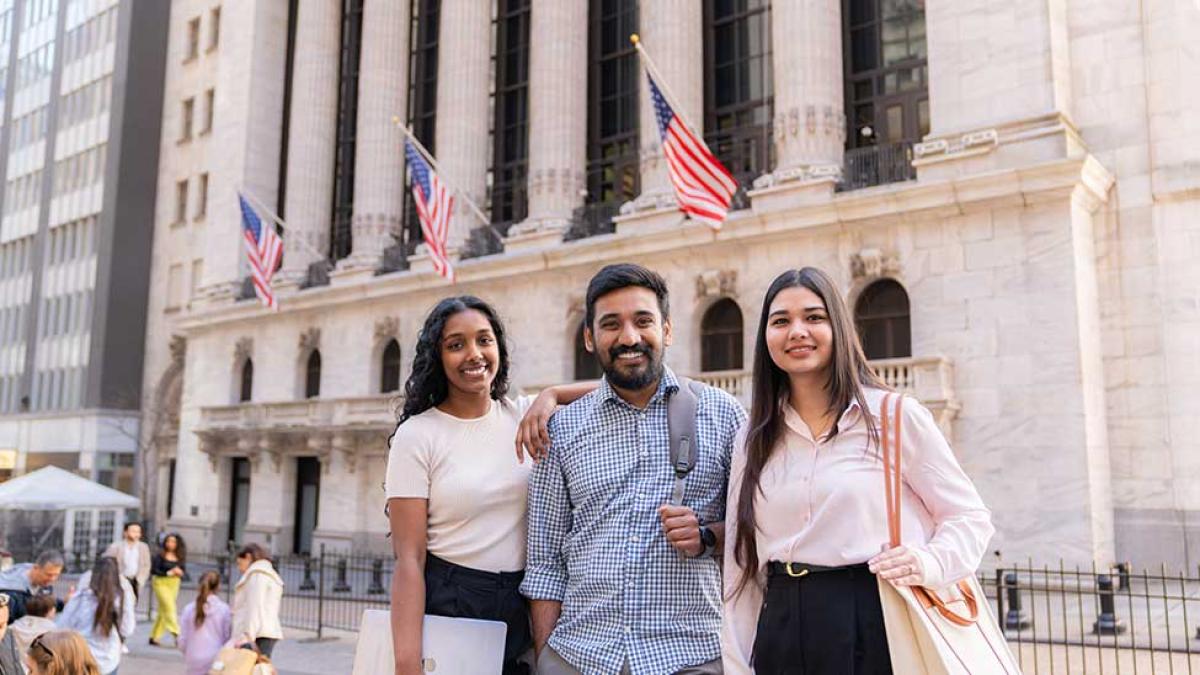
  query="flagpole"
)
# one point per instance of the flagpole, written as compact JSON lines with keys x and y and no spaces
{"x":433,"y":162}
{"x":257,"y":203}
{"x":665,"y":88}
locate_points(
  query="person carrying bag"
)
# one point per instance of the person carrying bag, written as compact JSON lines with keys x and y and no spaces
{"x":932,"y":631}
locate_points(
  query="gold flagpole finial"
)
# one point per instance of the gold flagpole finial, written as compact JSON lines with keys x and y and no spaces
{"x":633,"y":37}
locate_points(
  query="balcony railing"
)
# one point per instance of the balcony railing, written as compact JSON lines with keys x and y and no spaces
{"x":367,"y":412}
{"x":590,"y":220}
{"x":877,"y":165}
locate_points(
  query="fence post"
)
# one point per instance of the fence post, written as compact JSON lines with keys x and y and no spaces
{"x":1123,"y":570}
{"x":999,"y":596}
{"x":376,"y":587}
{"x":321,"y":592}
{"x":307,"y":584}
{"x":1107,"y":622}
{"x":1016,"y":618}
{"x":342,"y":586}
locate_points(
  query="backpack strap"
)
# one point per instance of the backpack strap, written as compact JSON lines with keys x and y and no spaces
{"x":681,"y":425}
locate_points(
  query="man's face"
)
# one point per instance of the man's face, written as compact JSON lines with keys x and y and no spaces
{"x":133,"y":533}
{"x":45,"y":575}
{"x":628,"y":337}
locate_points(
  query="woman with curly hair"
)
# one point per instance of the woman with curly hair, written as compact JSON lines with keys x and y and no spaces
{"x":455,"y":488}
{"x":167,"y":570}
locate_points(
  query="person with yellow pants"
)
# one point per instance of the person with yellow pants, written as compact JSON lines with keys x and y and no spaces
{"x":167,"y":571}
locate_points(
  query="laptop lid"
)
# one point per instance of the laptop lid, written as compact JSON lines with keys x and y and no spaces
{"x":449,"y":646}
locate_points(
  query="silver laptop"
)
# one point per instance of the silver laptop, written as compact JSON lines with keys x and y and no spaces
{"x":450,"y":646}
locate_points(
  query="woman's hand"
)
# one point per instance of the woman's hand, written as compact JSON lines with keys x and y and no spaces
{"x":533,"y":438}
{"x":899,"y":565}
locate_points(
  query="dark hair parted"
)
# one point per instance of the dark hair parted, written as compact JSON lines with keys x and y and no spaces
{"x":849,"y":373}
{"x":623,"y":275}
{"x":180,"y":547}
{"x":427,"y":386}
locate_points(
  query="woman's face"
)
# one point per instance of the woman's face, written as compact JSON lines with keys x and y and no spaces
{"x":470,"y":353}
{"x":243,"y":563}
{"x":170,"y":544}
{"x":799,"y":334}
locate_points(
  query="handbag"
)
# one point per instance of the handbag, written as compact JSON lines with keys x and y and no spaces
{"x":234,"y":661}
{"x":939,"y":632}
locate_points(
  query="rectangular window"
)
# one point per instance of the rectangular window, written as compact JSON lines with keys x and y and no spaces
{"x":510,"y":142}
{"x":343,"y":170}
{"x":209,"y":100}
{"x":181,"y":199}
{"x":197,"y":277}
{"x":185,"y":120}
{"x":214,"y":28}
{"x":422,"y":98}
{"x":201,"y":197}
{"x":193,"y":40}
{"x":613,"y":84}
{"x":174,"y":287}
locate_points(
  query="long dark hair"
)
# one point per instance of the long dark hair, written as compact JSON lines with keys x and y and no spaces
{"x":427,"y":386}
{"x":110,"y":597}
{"x":209,"y":582}
{"x":180,"y":548}
{"x":848,"y":375}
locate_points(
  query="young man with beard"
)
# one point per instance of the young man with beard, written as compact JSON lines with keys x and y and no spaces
{"x":620,"y":581}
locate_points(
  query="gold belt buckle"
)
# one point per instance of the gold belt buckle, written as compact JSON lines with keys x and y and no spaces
{"x":795,"y":575}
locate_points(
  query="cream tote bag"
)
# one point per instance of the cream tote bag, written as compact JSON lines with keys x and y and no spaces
{"x":949,"y":632}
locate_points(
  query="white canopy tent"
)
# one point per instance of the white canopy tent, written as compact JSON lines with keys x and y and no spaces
{"x":92,"y":514}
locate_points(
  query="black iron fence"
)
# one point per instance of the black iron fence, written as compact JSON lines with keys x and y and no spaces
{"x":877,"y":165}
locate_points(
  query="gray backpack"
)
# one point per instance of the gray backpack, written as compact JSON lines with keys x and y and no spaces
{"x":681,"y":425}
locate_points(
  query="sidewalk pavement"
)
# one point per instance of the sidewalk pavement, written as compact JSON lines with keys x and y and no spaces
{"x":299,"y":653}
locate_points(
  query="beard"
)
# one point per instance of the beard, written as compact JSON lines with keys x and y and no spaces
{"x":632,"y":378}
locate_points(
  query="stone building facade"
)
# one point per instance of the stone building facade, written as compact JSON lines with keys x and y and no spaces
{"x":1006,"y":192}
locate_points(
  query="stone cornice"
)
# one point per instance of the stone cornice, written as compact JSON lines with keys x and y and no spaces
{"x":1035,"y":184}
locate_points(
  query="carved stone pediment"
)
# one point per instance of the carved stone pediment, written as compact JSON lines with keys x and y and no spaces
{"x":386,"y":328}
{"x":871,"y":263}
{"x":178,"y":348}
{"x":310,"y":339}
{"x":243,"y":349}
{"x":716,"y":283}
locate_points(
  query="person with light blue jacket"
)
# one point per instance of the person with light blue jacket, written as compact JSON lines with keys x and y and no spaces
{"x":103,"y":613}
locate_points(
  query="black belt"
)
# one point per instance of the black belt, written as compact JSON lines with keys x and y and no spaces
{"x":449,"y":571}
{"x":797,"y":570}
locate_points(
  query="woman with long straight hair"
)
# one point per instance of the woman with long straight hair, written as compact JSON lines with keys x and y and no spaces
{"x":205,"y":625}
{"x":103,"y":613}
{"x":60,"y":652}
{"x":807,"y":529}
{"x":455,"y":489}
{"x":166,"y":573}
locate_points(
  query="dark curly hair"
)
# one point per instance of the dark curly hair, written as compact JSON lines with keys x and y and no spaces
{"x":427,"y":386}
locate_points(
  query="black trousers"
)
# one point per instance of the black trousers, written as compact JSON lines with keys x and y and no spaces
{"x":826,"y":622}
{"x":465,"y":593}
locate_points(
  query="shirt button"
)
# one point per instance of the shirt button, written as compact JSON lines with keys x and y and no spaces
{"x":628,"y":630}
{"x":641,"y":495}
{"x":634,"y":538}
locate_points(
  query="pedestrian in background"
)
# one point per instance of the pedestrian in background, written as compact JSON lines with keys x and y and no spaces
{"x":133,"y":555}
{"x":256,"y":600}
{"x":39,"y":618}
{"x":103,"y":613}
{"x":806,"y":500}
{"x":61,"y":652}
{"x":10,"y":658}
{"x":207,"y":623}
{"x":167,"y":570}
{"x":22,"y":582}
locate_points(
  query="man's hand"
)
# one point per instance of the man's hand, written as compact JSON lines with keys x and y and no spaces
{"x":533,"y":438}
{"x":682,"y":528}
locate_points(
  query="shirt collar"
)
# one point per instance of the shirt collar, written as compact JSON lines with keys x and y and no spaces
{"x":667,"y":384}
{"x":848,"y":418}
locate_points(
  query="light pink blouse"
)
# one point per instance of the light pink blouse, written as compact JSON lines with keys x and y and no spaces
{"x":822,"y":503}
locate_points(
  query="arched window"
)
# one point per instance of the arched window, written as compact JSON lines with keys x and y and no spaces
{"x":389,"y":372}
{"x":881,"y":315}
{"x":247,"y":387}
{"x":739,"y":95}
{"x":312,"y":375}
{"x":586,"y":365}
{"x":721,"y":337}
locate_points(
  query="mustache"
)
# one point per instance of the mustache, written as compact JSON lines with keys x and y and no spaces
{"x":636,"y":349}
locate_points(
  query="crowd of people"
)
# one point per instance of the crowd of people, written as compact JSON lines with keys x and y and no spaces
{"x":616,"y":552}
{"x":86,"y":630}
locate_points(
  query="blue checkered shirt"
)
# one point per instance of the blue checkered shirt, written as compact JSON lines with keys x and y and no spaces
{"x":596,"y":542}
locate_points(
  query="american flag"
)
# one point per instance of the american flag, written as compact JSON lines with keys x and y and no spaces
{"x":434,"y":204}
{"x":703,"y":186}
{"x":264,"y":248}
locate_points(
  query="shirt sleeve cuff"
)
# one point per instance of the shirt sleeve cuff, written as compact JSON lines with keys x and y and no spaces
{"x":544,"y":584}
{"x":932,"y":574}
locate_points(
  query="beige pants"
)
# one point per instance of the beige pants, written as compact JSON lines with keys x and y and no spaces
{"x":551,"y":663}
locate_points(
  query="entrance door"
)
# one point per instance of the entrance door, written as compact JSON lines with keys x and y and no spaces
{"x":308,"y":493}
{"x":239,"y":498}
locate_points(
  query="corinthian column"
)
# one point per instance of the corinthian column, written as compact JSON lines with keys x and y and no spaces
{"x":461,"y":147}
{"x":312,"y":135}
{"x":673,"y":36}
{"x":379,"y":154}
{"x":809,"y":120}
{"x":557,"y":116}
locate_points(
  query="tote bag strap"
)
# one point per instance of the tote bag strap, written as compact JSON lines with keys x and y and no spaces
{"x":890,"y":429}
